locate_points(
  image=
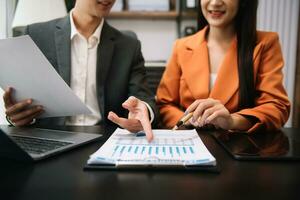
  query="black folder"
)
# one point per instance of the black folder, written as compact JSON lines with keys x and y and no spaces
{"x":164,"y":168}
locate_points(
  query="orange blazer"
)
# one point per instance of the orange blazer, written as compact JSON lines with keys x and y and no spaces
{"x":187,"y":74}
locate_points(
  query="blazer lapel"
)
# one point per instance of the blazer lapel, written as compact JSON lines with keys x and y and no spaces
{"x":195,"y":67}
{"x":196,"y":70}
{"x":63,"y":48}
{"x":227,"y":79}
{"x":104,"y":58}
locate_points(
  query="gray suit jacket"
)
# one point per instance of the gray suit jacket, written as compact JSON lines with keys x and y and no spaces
{"x":120,"y":65}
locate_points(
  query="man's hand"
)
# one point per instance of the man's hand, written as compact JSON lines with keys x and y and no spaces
{"x":20,"y":113}
{"x":138,"y":117}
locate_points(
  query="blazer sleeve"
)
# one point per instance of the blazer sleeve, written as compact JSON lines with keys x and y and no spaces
{"x":272,"y":105}
{"x":168,"y":97}
{"x":138,"y":85}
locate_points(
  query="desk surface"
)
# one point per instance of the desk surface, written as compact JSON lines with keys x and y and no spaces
{"x":62,"y":177}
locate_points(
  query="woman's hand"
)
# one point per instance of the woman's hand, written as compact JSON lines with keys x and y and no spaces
{"x":210,"y":111}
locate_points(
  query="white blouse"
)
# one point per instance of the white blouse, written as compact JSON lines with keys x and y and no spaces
{"x":212,"y":80}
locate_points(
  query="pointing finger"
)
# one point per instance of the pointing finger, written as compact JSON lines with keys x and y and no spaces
{"x":147,"y":128}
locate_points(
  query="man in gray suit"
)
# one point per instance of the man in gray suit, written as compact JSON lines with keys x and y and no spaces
{"x":104,"y":67}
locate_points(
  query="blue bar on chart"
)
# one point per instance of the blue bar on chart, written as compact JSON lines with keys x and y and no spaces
{"x":177,"y":150}
{"x":165,"y":151}
{"x":136,"y":150}
{"x":191,"y":149}
{"x":122,"y":150}
{"x":157,"y":150}
{"x":184,"y":150}
{"x":171,"y":151}
{"x":115,"y":150}
{"x":129,"y":149}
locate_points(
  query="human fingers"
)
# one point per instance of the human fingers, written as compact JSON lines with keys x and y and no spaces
{"x":26,"y":113}
{"x":132,"y":125}
{"x":7,"y":99}
{"x":193,"y":123}
{"x":147,"y":126}
{"x":114,"y":118}
{"x":198,"y":112}
{"x":189,"y":122}
{"x":28,"y":120}
{"x":220,"y":118}
{"x":18,"y":107}
{"x":193,"y":106}
{"x":130,"y":103}
{"x":202,"y":121}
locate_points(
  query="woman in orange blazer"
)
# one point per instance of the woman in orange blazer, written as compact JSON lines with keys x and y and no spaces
{"x":228,"y":74}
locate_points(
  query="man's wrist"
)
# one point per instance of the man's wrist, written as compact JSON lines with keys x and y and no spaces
{"x":13,"y":124}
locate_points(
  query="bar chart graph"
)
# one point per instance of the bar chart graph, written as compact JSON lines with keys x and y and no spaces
{"x":149,"y":150}
{"x":180,"y":148}
{"x":164,"y":147}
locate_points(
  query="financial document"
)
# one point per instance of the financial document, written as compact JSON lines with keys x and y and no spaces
{"x":181,"y":147}
{"x":24,"y":67}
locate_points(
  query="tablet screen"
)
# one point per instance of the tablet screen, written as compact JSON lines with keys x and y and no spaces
{"x":281,"y":145}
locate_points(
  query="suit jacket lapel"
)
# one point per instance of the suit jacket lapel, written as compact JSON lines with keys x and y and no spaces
{"x":104,"y":58}
{"x":227,"y":81}
{"x":63,"y":48}
{"x":195,"y":67}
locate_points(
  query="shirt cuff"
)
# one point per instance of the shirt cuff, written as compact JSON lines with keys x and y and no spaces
{"x":150,"y":111}
{"x":9,"y":121}
{"x":13,"y":124}
{"x":33,"y":121}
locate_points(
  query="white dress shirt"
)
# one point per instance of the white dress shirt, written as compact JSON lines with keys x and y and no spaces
{"x":83,"y":74}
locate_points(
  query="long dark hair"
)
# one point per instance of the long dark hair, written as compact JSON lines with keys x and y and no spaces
{"x":245,"y":25}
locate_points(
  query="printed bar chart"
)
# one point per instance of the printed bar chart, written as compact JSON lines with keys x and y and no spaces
{"x":168,"y":147}
{"x":121,"y":150}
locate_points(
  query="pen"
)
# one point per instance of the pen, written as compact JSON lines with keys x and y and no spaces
{"x":182,"y":121}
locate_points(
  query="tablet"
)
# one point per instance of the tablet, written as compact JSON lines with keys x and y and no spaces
{"x":276,"y":145}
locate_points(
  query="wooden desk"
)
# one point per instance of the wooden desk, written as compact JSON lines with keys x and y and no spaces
{"x":62,"y":177}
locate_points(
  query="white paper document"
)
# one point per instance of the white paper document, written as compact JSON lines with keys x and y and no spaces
{"x":24,"y":67}
{"x":182,"y":147}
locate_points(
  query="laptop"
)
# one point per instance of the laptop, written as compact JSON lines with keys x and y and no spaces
{"x":276,"y":145}
{"x":33,"y":144}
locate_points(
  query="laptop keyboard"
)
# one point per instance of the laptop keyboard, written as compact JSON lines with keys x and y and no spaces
{"x":38,"y":145}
